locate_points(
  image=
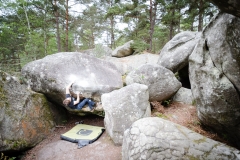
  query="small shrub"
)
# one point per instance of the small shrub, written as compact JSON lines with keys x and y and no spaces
{"x":166,"y":103}
{"x":194,"y":102}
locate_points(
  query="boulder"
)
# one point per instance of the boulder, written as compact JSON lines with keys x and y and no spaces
{"x":174,"y":55}
{"x":99,"y":51}
{"x":92,"y":76}
{"x":123,"y":107}
{"x":231,"y":7}
{"x":183,"y":95}
{"x":124,"y":50}
{"x":25,"y":116}
{"x":132,"y":62}
{"x":162,"y":83}
{"x":155,"y":138}
{"x":214,"y":75}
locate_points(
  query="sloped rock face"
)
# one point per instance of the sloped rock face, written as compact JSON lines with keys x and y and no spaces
{"x":155,"y":138}
{"x":132,"y":62}
{"x":25,"y":116}
{"x":174,"y":55}
{"x":214,"y":70}
{"x":124,"y":50}
{"x":92,"y":76}
{"x":183,"y":95}
{"x":161,"y":82}
{"x":231,"y":7}
{"x":123,"y":107}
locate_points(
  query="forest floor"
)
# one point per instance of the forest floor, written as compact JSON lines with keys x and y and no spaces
{"x":185,"y":115}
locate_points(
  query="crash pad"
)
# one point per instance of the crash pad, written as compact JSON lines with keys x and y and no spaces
{"x":83,"y":134}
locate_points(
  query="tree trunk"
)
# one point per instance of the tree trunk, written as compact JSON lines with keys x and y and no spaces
{"x":153,"y":14}
{"x":28,"y":23}
{"x":67,"y":20}
{"x":44,"y":29}
{"x":171,"y":30}
{"x":200,"y":16}
{"x":151,"y":24}
{"x":56,"y":13}
{"x":92,"y":40}
{"x":112,"y":32}
{"x":179,"y":20}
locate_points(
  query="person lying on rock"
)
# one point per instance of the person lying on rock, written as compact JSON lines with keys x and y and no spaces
{"x":79,"y":102}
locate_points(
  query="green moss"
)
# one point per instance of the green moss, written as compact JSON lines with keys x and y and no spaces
{"x":3,"y":97}
{"x":36,"y":97}
{"x":194,"y":102}
{"x":16,"y":144}
{"x":3,"y":76}
{"x":160,"y":115}
{"x":180,"y":130}
{"x":101,"y":113}
{"x":200,"y":140}
{"x":124,"y":79}
{"x":3,"y":93}
{"x":177,"y":75}
{"x":22,"y":80}
{"x":196,"y":123}
{"x":192,"y":158}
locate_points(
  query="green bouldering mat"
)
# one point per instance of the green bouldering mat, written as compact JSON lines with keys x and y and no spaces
{"x":83,"y":134}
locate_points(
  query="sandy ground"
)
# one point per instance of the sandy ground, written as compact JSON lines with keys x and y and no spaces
{"x":104,"y":149}
{"x":55,"y":148}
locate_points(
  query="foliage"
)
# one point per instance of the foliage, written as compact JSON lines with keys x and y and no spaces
{"x":139,"y":46}
{"x":89,"y":26}
{"x":4,"y":157}
{"x":30,"y":30}
{"x":166,"y":103}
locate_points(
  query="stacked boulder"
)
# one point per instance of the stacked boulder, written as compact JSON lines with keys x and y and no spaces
{"x":214,"y":68}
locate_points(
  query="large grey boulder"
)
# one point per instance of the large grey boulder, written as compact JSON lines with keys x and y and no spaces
{"x":124,"y":50}
{"x":161,"y":82}
{"x":155,"y":138}
{"x":132,"y":62}
{"x":25,"y":116}
{"x":123,"y":107}
{"x":231,"y":7}
{"x":214,"y":75}
{"x":183,"y":95}
{"x":92,"y":76}
{"x":174,"y":55}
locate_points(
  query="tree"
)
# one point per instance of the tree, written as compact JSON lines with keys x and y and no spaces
{"x":90,"y":26}
{"x":113,"y":10}
{"x":45,"y":27}
{"x":197,"y":11}
{"x":12,"y":38}
{"x":35,"y":28}
{"x":172,"y":15}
